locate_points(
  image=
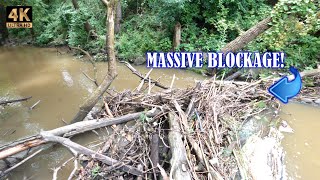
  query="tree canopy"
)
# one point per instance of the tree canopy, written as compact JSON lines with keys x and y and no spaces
{"x":206,"y":25}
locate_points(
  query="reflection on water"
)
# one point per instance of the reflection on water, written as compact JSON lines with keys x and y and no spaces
{"x":57,"y":81}
{"x":303,"y":146}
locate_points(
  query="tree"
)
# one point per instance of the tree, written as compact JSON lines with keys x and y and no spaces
{"x":86,"y":107}
{"x":3,"y":29}
{"x":118,"y":18}
{"x":110,"y":21}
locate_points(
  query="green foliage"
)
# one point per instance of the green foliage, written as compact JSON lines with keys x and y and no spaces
{"x":95,"y":171}
{"x":144,"y":118}
{"x":140,"y":34}
{"x":207,"y":25}
{"x":294,"y":25}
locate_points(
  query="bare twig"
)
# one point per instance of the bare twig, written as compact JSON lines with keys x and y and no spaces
{"x":15,"y":100}
{"x":137,"y":73}
{"x":173,"y":78}
{"x":143,"y":80}
{"x":35,"y":104}
{"x":92,"y":62}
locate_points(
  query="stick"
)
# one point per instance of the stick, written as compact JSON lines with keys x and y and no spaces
{"x":108,"y":109}
{"x":93,"y":80}
{"x":163,"y":173}
{"x":21,"y":162}
{"x":88,"y":152}
{"x":193,"y":143}
{"x":149,"y":90}
{"x":34,"y":105}
{"x":15,"y":100}
{"x":137,"y":73}
{"x":14,"y":147}
{"x":92,"y":62}
{"x":55,"y":170}
{"x":143,"y":80}
{"x":73,"y":172}
{"x":173,"y":77}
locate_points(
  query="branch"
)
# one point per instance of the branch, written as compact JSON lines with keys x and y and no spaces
{"x":137,"y":73}
{"x":21,"y":162}
{"x":92,"y":62}
{"x":15,"y":100}
{"x":88,"y":152}
{"x":105,"y":2}
{"x":15,"y":147}
{"x":144,"y":80}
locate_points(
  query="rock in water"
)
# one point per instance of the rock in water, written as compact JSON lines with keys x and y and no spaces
{"x":139,"y":61}
{"x":67,"y":78}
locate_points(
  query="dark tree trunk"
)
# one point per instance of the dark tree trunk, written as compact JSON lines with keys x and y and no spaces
{"x":75,"y":4}
{"x":4,"y":34}
{"x":117,"y":27}
{"x":177,"y":36}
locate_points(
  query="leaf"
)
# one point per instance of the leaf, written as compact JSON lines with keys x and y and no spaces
{"x":261,"y":104}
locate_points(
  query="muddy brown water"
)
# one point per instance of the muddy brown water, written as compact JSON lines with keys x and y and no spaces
{"x":57,"y":81}
{"x":303,"y":146}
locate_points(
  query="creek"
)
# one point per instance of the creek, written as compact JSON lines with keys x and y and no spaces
{"x":58,"y":82}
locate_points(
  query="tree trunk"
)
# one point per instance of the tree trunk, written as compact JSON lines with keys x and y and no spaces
{"x":86,"y":107}
{"x":67,"y":131}
{"x":177,"y":36}
{"x":4,"y":34}
{"x":110,"y":38}
{"x":242,"y":40}
{"x":90,"y":153}
{"x":90,"y":102}
{"x":117,"y":27}
{"x":179,"y":164}
{"x":75,"y":4}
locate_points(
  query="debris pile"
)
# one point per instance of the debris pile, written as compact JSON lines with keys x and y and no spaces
{"x":195,"y":135}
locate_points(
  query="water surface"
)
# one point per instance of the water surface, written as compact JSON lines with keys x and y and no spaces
{"x":58,"y":82}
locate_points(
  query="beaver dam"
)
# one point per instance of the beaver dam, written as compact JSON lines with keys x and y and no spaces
{"x":213,"y":130}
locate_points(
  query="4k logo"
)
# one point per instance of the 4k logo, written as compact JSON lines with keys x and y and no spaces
{"x":19,"y":17}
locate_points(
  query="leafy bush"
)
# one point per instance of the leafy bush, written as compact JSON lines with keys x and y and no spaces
{"x":140,"y":34}
{"x":293,"y":31}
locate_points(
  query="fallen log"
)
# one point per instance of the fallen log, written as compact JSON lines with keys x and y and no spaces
{"x":179,"y":164}
{"x":90,"y":102}
{"x":242,"y":40}
{"x":14,"y":100}
{"x":90,"y":153}
{"x":15,"y":147}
